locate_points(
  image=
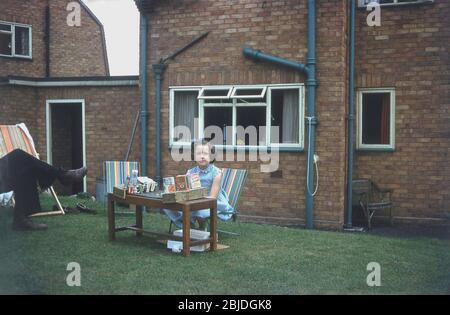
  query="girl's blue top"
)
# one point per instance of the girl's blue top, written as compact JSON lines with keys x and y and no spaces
{"x":207,"y":175}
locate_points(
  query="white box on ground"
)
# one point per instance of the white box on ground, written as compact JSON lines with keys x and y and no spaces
{"x":177,"y":246}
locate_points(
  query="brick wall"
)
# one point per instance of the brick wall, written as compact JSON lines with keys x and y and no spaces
{"x":74,"y":51}
{"x":17,"y":105}
{"x":278,"y":28}
{"x":409,"y":52}
{"x":109,"y":117}
{"x":77,"y":50}
{"x":31,"y":13}
{"x":110,"y":114}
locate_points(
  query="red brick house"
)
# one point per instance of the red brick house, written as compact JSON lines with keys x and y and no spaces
{"x":401,"y":119}
{"x":54,"y":77}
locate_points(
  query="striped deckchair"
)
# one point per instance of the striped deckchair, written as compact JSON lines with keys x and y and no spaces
{"x":233,"y":181}
{"x":18,"y":137}
{"x":116,"y":172}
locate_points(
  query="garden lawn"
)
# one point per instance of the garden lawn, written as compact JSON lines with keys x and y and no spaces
{"x":265,"y":259}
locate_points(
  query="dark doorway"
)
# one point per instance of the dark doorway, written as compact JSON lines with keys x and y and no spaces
{"x":67,"y":141}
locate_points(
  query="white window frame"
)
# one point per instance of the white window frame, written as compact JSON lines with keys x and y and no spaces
{"x":237,"y":88}
{"x":13,"y":40}
{"x":365,"y":3}
{"x":301,"y":118}
{"x":219,"y":87}
{"x":235,"y":103}
{"x":381,"y":147}
{"x":172,"y":111}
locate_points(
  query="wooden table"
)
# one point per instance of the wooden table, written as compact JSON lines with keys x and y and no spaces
{"x":186,"y":207}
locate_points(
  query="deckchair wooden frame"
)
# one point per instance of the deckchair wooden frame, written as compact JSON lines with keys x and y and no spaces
{"x":30,"y":148}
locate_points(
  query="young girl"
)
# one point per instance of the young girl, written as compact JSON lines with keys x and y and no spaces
{"x":210,"y":177}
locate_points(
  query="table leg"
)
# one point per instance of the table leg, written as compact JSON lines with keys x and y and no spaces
{"x":139,"y":223}
{"x":111,"y":220}
{"x":213,"y":227}
{"x":186,"y":230}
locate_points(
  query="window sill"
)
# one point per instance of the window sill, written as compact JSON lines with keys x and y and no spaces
{"x":399,"y":5}
{"x":381,"y":150}
{"x":17,"y":58}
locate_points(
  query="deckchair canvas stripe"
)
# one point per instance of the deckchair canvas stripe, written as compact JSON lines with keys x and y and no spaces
{"x":7,"y":138}
{"x":116,"y":172}
{"x":232,"y":182}
{"x":12,"y":137}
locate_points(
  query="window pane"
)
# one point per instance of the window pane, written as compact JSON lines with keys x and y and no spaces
{"x":218,"y":123}
{"x":5,"y":44}
{"x":22,"y":41}
{"x":185,"y":112}
{"x":248,"y":123}
{"x":285,"y":115}
{"x":5,"y":27}
{"x":376,"y":118}
{"x":249,"y":93}
{"x":243,"y":101}
{"x":215,"y":93}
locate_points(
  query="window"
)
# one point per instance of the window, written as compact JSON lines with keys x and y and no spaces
{"x":285,"y":113}
{"x":376,"y":119}
{"x":248,"y":92}
{"x":365,"y":3}
{"x":215,"y":93}
{"x":217,"y":122}
{"x":239,"y":116}
{"x":15,"y":40}
{"x":184,"y":106}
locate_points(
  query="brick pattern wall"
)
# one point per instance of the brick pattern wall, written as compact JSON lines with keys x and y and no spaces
{"x":30,"y":13}
{"x":278,"y":28}
{"x":409,"y":52}
{"x":74,"y":51}
{"x":17,"y":105}
{"x":109,"y":118}
{"x":109,"y":114}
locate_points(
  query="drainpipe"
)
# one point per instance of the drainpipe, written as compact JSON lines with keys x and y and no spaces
{"x":144,"y":90}
{"x":351,"y":116}
{"x":158,"y":72}
{"x":311,"y":85}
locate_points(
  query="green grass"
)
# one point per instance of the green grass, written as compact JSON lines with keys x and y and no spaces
{"x":264,"y":260}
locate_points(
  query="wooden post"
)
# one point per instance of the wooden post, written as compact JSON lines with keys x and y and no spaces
{"x":139,"y":223}
{"x":111,"y":219}
{"x":213,"y":227}
{"x":186,"y":230}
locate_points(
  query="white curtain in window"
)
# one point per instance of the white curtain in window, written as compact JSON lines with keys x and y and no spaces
{"x":22,"y":35}
{"x":186,"y":109}
{"x":290,"y":117}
